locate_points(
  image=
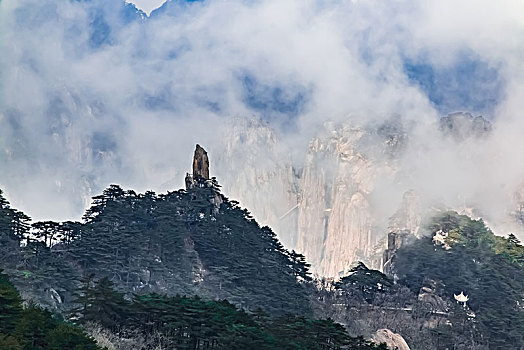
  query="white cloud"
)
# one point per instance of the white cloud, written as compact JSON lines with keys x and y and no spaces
{"x":90,"y":95}
{"x":147,"y":5}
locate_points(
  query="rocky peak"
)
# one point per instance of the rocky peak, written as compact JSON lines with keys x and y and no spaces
{"x":200,"y":163}
{"x":200,"y":178}
{"x":335,"y":223}
{"x":395,"y":241}
{"x":200,"y":175}
{"x":462,"y":126}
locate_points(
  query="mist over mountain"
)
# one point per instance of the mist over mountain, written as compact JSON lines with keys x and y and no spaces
{"x":321,"y":117}
{"x":359,"y":181}
{"x":376,"y":147}
{"x":122,"y":279}
{"x":98,"y":85}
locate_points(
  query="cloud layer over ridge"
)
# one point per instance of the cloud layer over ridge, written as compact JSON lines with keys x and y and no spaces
{"x":95,"y":92}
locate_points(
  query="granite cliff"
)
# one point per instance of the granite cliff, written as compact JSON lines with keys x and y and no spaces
{"x":323,"y":207}
{"x":347,"y":194}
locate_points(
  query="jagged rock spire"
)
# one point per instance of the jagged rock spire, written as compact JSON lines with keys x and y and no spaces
{"x":200,"y":163}
{"x":200,"y":175}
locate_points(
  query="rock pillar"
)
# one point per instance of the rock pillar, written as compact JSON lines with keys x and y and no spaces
{"x":200,"y":164}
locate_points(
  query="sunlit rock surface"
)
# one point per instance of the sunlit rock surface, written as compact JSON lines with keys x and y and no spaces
{"x":322,"y":208}
{"x":337,"y":198}
{"x":252,"y":168}
{"x":334,"y":219}
{"x":392,"y":340}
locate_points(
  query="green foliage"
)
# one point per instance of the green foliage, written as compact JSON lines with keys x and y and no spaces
{"x":32,"y":327}
{"x":195,"y":323}
{"x":192,"y":321}
{"x":186,"y":242}
{"x":480,"y":264}
{"x":100,"y":302}
{"x":69,"y":337}
{"x":9,"y":343}
{"x":292,"y":332}
{"x":364,"y":285}
{"x":13,"y":223}
{"x":14,"y":226}
{"x":511,"y":248}
{"x":10,"y":305}
{"x":189,"y":242}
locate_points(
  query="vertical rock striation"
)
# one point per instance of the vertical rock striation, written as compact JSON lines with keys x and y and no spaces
{"x":336,"y":218}
{"x":253,"y":168}
{"x":322,"y":207}
{"x":200,"y":163}
{"x":344,"y":197}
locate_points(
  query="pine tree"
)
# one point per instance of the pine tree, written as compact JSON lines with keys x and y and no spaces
{"x":66,"y":336}
{"x":46,"y":231}
{"x":8,"y":342}
{"x":481,"y":265}
{"x":33,"y":326}
{"x":100,"y":302}
{"x":10,"y":305}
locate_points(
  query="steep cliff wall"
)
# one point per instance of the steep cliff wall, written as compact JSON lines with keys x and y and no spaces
{"x":336,"y":219}
{"x":337,"y":199}
{"x":324,"y":211}
{"x":253,"y":168}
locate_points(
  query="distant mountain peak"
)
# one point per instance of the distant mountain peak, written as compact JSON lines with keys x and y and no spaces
{"x":463,"y":125}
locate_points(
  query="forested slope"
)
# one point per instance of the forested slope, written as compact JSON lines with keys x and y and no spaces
{"x":31,"y":327}
{"x":417,"y":300}
{"x":135,"y":255}
{"x":123,"y":271}
{"x":487,"y":268}
{"x":183,"y":242}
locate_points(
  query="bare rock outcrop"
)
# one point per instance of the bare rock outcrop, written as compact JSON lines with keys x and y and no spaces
{"x":336,"y":221}
{"x":200,"y":174}
{"x":322,"y":206}
{"x":462,"y":126}
{"x":408,"y":217}
{"x":404,"y":225}
{"x":253,"y":168}
{"x":326,"y":205}
{"x":394,"y":341}
{"x":200,"y":163}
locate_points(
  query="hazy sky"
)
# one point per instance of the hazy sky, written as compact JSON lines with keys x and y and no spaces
{"x":93,"y":92}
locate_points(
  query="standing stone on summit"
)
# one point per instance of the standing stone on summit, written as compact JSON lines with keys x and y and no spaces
{"x":200,"y":163}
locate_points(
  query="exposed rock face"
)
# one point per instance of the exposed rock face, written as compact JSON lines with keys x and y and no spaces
{"x":253,"y":169}
{"x":429,"y":296}
{"x":394,"y":341}
{"x":77,"y":158}
{"x":200,"y":177}
{"x":336,"y":201}
{"x":324,"y":208}
{"x":200,"y":163}
{"x":408,"y":217}
{"x":336,"y":224}
{"x":395,"y":241}
{"x":462,"y":126}
{"x":518,"y":204}
{"x":404,"y":225}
